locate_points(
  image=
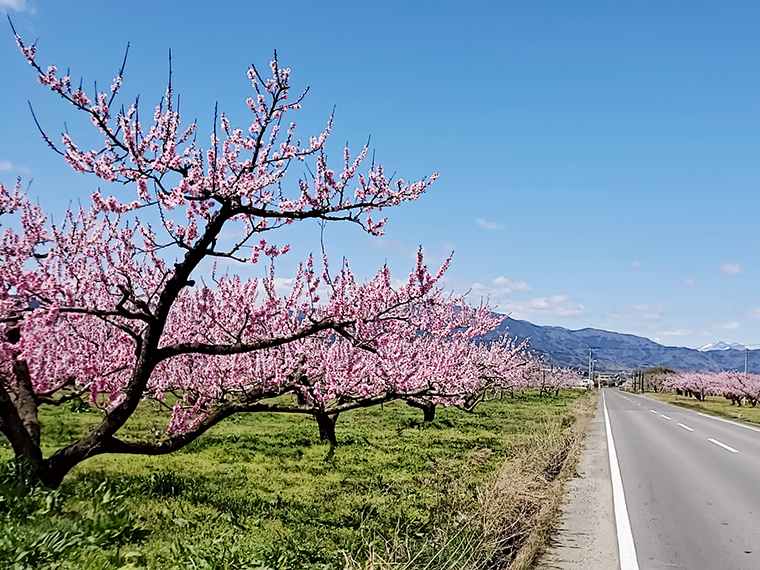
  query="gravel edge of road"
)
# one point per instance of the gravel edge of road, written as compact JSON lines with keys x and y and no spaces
{"x":585,"y":538}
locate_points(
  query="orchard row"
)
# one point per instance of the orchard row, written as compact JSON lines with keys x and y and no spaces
{"x":736,"y":386}
{"x":121,"y":301}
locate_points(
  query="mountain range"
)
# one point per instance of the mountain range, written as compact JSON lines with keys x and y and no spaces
{"x":617,"y":352}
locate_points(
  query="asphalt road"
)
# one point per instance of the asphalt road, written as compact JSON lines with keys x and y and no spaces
{"x":691,"y":484}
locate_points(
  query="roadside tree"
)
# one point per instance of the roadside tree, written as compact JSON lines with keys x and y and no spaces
{"x":119,"y":303}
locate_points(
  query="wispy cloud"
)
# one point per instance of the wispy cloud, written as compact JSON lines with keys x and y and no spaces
{"x":729,"y":326}
{"x":641,"y":312}
{"x":674,"y":332}
{"x":434,"y":255}
{"x":637,"y":265}
{"x":688,"y":283}
{"x":556,"y":305}
{"x":396,"y":246}
{"x":486,"y":225}
{"x":505,"y":283}
{"x":731,"y":268}
{"x":498,"y":287}
{"x":6,"y":165}
{"x":15,"y":5}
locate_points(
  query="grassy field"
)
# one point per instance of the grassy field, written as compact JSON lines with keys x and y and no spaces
{"x":715,"y":405}
{"x":262,"y":491}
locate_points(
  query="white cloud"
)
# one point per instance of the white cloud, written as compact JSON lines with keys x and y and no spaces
{"x":398,"y":247}
{"x":728,"y":326}
{"x":688,"y":283}
{"x":15,"y":5}
{"x":556,"y":305}
{"x":434,"y":255}
{"x":5,"y":165}
{"x":645,"y":312}
{"x":637,"y":265}
{"x":674,"y":332}
{"x":755,"y":313}
{"x":503,"y":282}
{"x":486,"y":225}
{"x":731,"y":268}
{"x":498,"y":287}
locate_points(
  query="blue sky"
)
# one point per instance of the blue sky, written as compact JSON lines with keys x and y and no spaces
{"x":600,"y":162}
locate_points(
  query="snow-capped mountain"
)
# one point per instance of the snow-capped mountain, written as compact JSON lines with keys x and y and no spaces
{"x":720,"y":345}
{"x":614,"y":351}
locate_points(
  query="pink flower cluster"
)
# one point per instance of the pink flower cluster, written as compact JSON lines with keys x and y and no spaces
{"x":104,"y":307}
{"x":731,"y":384}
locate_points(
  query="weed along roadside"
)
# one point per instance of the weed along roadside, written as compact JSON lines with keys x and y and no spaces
{"x":469,"y":490}
{"x":584,"y":536}
{"x":536,"y":483}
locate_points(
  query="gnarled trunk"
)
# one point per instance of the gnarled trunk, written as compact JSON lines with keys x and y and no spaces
{"x":19,"y":421}
{"x":326,"y":423}
{"x":428,"y":408}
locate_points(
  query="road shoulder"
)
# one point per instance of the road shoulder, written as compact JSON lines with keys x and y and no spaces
{"x":585,"y":538}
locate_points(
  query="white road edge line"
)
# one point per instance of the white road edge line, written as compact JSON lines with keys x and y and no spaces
{"x":686,"y":427}
{"x":723,"y":445}
{"x":664,"y":416}
{"x":728,"y":421}
{"x":626,"y":548}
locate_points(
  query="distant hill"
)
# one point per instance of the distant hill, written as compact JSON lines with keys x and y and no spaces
{"x":614,"y":352}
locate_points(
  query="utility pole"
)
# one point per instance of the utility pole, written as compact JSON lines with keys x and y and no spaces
{"x":746,"y":359}
{"x":590,"y":372}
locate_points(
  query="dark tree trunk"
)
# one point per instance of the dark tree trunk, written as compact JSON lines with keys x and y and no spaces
{"x":19,"y":421}
{"x":326,"y":423}
{"x":26,"y":402}
{"x":428,"y":408}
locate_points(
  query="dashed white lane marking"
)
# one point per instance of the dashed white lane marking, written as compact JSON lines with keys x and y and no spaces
{"x":653,"y":411}
{"x":723,"y":445}
{"x":626,"y":548}
{"x":687,"y":428}
{"x":664,"y":416}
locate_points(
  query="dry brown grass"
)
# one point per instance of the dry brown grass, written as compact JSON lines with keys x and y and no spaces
{"x":521,"y":505}
{"x":514,"y":515}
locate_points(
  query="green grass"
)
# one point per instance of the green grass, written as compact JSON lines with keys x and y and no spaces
{"x":262,"y":491}
{"x":715,"y":405}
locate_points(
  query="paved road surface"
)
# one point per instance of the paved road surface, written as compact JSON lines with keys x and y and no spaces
{"x":692,"y":485}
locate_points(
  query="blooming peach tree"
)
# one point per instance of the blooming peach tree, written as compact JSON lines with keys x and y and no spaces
{"x":733,"y":385}
{"x":119,"y":303}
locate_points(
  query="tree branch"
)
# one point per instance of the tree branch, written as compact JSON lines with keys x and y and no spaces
{"x":243,"y":347}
